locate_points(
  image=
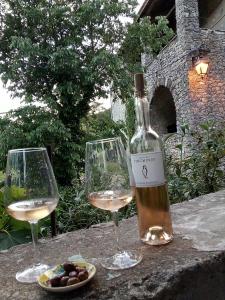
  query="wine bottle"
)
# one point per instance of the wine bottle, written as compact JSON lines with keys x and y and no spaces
{"x":147,"y":162}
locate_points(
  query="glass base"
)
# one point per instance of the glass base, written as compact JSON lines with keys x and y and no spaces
{"x":156,"y":236}
{"x":122,"y":260}
{"x":31,"y":274}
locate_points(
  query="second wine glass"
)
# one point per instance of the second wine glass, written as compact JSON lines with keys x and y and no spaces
{"x":108,"y":188}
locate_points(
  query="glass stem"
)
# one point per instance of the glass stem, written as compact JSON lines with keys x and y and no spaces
{"x":116,"y":228}
{"x":34,"y":232}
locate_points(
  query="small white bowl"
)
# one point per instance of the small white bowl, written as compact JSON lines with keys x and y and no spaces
{"x":57,"y":270}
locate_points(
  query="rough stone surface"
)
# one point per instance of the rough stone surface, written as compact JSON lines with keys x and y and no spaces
{"x":195,"y":99}
{"x":202,"y":222}
{"x":176,"y":271}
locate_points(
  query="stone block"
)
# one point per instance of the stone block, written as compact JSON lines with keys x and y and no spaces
{"x":192,"y":266}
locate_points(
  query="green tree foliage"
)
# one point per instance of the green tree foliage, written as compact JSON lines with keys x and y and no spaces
{"x":32,"y":126}
{"x":64,"y":53}
{"x":100,"y":126}
{"x":145,"y":37}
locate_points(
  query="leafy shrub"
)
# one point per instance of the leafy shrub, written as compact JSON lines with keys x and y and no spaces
{"x":32,"y":126}
{"x":201,"y":170}
{"x":12,"y":232}
{"x":75,"y":212}
{"x":100,"y":126}
{"x":4,"y":218}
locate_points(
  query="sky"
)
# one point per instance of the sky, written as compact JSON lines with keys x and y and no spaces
{"x":7,"y":103}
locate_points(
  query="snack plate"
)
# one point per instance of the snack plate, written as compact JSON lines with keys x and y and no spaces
{"x":58,"y":270}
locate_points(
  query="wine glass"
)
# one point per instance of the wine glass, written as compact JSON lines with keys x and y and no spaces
{"x":30,"y":194}
{"x":108,"y":188}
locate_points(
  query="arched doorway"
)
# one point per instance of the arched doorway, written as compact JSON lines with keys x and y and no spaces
{"x":163,"y":111}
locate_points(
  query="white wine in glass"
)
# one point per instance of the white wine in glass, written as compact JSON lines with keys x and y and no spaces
{"x":108,"y":188}
{"x":110,"y":200}
{"x":30,"y":194}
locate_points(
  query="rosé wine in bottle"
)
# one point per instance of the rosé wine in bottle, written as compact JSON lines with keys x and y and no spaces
{"x":155,"y":225}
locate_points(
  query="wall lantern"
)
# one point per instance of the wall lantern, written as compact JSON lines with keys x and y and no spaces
{"x":201,"y":62}
{"x":201,"y":66}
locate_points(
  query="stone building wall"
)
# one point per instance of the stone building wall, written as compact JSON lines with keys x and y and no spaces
{"x":208,"y":95}
{"x":168,"y":70}
{"x":195,"y":99}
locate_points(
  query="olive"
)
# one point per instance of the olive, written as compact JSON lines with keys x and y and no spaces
{"x":79,"y":269}
{"x":68,"y":267}
{"x":73,"y":280}
{"x":63,"y":281}
{"x":55,"y":281}
{"x":83,"y":275}
{"x":73,"y":274}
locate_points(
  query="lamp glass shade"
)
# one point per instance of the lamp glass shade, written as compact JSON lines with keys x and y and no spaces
{"x":201,"y":67}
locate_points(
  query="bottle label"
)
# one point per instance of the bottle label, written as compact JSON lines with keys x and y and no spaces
{"x":148,"y":169}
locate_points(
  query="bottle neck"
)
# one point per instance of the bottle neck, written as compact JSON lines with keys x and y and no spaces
{"x":142,"y":113}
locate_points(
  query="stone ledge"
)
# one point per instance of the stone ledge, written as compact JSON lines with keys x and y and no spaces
{"x":176,"y":271}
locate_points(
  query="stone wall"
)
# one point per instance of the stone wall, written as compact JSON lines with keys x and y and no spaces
{"x":169,"y":69}
{"x":187,"y":19}
{"x":192,"y":267}
{"x":195,"y":99}
{"x":208,"y":94}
